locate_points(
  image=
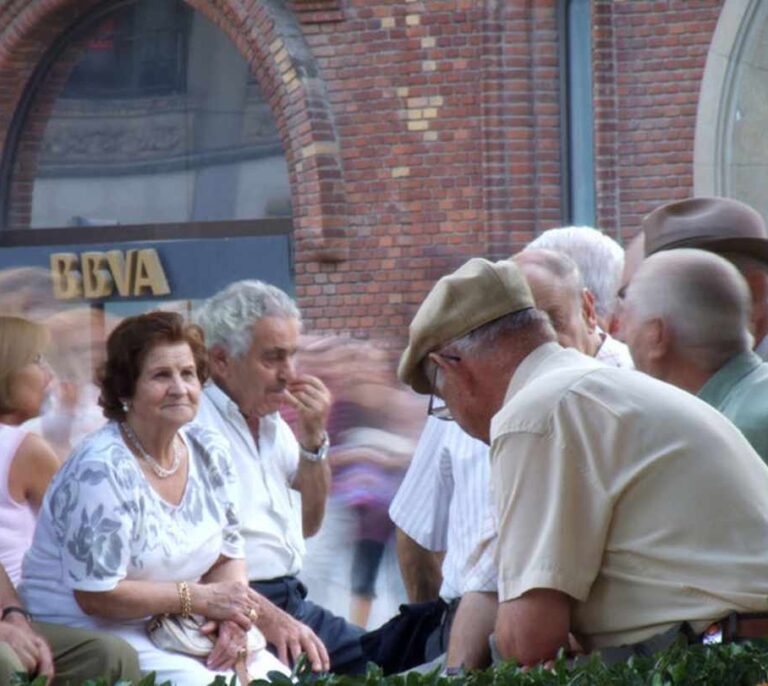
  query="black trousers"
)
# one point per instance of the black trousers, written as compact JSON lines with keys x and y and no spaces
{"x":341,"y":639}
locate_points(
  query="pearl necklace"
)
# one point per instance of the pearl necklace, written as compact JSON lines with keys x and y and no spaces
{"x":154,"y":465}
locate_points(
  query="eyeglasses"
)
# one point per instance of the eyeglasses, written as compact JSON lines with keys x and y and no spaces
{"x":41,"y":361}
{"x":437,"y":407}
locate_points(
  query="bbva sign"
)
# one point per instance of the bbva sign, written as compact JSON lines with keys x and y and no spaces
{"x":96,"y":275}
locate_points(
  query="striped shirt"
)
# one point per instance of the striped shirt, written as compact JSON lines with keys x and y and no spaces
{"x":442,"y":501}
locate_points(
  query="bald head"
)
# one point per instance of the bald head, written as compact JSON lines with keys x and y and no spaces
{"x":558,"y":290}
{"x":700,"y":300}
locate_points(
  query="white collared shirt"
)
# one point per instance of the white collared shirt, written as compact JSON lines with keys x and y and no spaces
{"x":270,"y":510}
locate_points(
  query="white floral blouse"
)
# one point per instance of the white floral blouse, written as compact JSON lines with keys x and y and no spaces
{"x":102,"y":522}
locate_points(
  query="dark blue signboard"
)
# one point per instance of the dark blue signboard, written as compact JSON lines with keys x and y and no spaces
{"x":194,"y":268}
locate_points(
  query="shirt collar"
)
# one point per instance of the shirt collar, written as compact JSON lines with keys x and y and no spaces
{"x":762,"y":348}
{"x":229,"y":408}
{"x":529,"y":366}
{"x":722,"y":381}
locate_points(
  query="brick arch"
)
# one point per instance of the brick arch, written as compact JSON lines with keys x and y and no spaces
{"x":271,"y":39}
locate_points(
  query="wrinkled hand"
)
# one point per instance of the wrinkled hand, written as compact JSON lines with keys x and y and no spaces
{"x":312,"y":401}
{"x":225,"y":600}
{"x":230,"y":641}
{"x":291,"y":638}
{"x":31,"y":648}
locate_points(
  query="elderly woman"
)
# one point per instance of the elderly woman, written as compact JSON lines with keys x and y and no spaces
{"x":140,"y":521}
{"x":27,"y":465}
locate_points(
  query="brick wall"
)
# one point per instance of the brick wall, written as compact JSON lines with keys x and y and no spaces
{"x":649,"y":59}
{"x":447,"y":120}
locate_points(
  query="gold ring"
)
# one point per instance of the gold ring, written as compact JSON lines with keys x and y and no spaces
{"x":253,"y":615}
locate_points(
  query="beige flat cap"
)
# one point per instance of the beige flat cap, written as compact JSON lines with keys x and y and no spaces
{"x":476,"y":293}
{"x":720,"y":225}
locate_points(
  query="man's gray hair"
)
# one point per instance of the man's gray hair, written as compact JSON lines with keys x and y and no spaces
{"x":228,"y":317}
{"x":529,"y":326}
{"x":702,"y":298}
{"x":600,"y":260}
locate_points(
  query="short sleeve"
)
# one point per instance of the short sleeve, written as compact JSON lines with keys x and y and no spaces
{"x":421,"y":505}
{"x":93,"y":510}
{"x":221,"y":485}
{"x":553,"y":514}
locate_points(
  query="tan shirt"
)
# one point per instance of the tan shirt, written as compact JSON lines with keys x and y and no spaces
{"x":635,"y":498}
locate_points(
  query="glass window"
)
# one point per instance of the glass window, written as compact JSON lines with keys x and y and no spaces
{"x":743,"y":163}
{"x":146,"y":114}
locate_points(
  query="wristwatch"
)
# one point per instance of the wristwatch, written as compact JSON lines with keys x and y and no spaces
{"x":320,"y":454}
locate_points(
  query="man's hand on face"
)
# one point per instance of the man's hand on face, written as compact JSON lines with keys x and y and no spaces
{"x":31,"y":648}
{"x":312,"y":401}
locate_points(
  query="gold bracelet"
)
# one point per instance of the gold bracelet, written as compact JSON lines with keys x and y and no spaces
{"x":185,"y":598}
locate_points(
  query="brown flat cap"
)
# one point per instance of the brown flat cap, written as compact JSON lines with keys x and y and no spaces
{"x":476,"y":293}
{"x":720,"y":225}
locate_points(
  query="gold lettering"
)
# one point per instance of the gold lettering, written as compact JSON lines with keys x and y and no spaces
{"x":150,"y":274}
{"x":123,"y":269}
{"x":67,"y":280}
{"x":97,"y":280}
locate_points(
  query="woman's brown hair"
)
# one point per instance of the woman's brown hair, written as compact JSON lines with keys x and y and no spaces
{"x":128,"y":346}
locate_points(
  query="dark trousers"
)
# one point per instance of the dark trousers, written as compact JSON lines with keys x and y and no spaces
{"x":341,"y":639}
{"x":417,"y":634}
{"x":437,"y":642}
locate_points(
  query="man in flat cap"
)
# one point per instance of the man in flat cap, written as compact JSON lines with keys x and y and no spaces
{"x":442,"y":504}
{"x":609,"y":486}
{"x":723,"y":226}
{"x":686,"y":320}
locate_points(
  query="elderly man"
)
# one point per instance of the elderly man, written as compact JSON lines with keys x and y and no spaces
{"x":726,"y":227}
{"x":686,"y":320}
{"x":608,"y":485}
{"x":600,"y":260}
{"x":442,"y":503}
{"x":252,"y":331}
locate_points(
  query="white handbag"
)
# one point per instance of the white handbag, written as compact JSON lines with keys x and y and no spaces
{"x":179,"y":634}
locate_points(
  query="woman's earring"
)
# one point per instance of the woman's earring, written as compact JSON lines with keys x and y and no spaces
{"x":126,"y":406}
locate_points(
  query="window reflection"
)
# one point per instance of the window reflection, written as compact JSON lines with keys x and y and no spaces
{"x":153,"y":117}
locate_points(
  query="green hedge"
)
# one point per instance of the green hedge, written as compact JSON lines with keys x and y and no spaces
{"x":728,"y":665}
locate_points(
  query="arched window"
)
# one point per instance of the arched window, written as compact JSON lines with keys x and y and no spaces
{"x":731,"y":150}
{"x":145,"y":113}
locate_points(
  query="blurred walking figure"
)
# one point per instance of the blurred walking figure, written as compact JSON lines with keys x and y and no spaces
{"x":370,"y":450}
{"x":73,"y":411}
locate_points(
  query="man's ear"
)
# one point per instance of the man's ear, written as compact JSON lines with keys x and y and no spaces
{"x":588,"y":310}
{"x":218,"y":359}
{"x":658,"y":339}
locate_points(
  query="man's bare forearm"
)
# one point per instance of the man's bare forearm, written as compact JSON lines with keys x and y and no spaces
{"x":313,"y":481}
{"x":420,"y":569}
{"x":472,"y":627}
